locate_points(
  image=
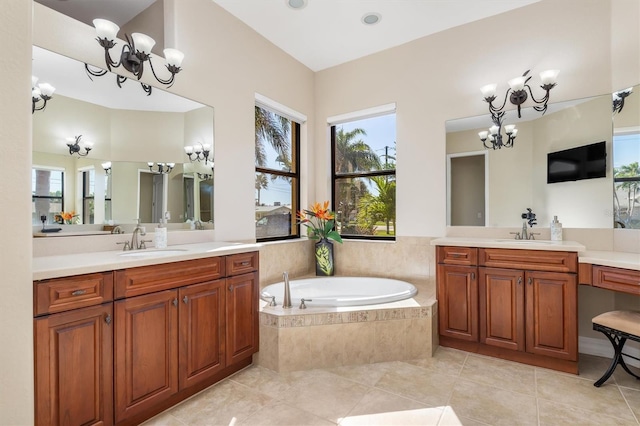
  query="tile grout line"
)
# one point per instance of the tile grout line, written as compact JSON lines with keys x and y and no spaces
{"x":628,"y":405}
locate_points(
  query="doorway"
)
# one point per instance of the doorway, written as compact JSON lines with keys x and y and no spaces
{"x":467,"y":191}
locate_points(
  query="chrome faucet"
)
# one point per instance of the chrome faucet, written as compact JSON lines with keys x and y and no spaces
{"x":286,"y":303}
{"x":135,"y":243}
{"x":198,"y":224}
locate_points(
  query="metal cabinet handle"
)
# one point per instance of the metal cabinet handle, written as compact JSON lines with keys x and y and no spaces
{"x":231,"y":288}
{"x":175,"y":302}
{"x":78,"y":292}
{"x":473,"y":275}
{"x":530,"y":281}
{"x":185,"y":299}
{"x":519,"y":280}
{"x":107,"y":319}
{"x":246,"y":263}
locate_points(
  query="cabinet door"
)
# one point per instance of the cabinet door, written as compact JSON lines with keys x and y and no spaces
{"x":146,"y":351}
{"x":74,"y":367}
{"x":458,"y":302}
{"x":242,"y":316}
{"x":502,"y":308}
{"x":202,"y":322}
{"x":552,"y":317}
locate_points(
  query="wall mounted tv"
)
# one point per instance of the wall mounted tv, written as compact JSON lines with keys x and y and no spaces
{"x":583,"y":162}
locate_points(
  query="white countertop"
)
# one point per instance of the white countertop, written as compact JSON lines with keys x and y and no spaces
{"x":85,"y":263}
{"x":616,"y":259}
{"x":509,"y":243}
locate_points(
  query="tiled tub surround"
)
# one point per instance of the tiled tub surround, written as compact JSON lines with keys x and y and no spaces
{"x":295,"y":339}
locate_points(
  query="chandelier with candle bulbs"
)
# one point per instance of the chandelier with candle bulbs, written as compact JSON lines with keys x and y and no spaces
{"x":76,"y":145}
{"x":42,"y":92}
{"x":135,"y":53}
{"x":198,"y":153}
{"x":517,"y":95}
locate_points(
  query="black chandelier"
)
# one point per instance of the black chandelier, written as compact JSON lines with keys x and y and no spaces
{"x":196,"y":153}
{"x":162,"y":168}
{"x":107,"y":167}
{"x":40,"y":92}
{"x":75,"y":148}
{"x":134,"y":54}
{"x":517,"y":95}
{"x":618,"y":99}
{"x":205,"y":176}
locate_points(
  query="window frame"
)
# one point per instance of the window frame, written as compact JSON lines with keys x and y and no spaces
{"x":336,"y":177}
{"x":294,"y":175}
{"x":49,"y":197}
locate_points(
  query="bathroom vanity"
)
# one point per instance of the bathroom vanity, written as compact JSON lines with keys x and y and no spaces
{"x":512,"y":300}
{"x":139,"y":334}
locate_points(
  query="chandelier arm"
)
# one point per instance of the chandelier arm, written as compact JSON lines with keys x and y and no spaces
{"x":147,"y":88}
{"x":168,"y":82}
{"x":544,"y":100}
{"x":91,"y":72}
{"x":34,"y":102}
{"x":120,"y":79}
{"x":493,"y":109}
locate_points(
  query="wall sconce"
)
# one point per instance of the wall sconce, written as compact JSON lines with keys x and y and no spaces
{"x":107,"y":167}
{"x":198,"y":154}
{"x":206,"y":176}
{"x":40,"y":92}
{"x":517,"y":95}
{"x":618,"y":99}
{"x":134,"y":54}
{"x":163,"y":168}
{"x":74,"y":146}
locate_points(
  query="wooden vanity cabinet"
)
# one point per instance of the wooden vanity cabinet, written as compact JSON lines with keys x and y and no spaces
{"x":523,"y":305}
{"x":73,"y":343}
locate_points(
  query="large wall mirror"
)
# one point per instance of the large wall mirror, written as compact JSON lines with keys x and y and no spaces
{"x":487,"y":187}
{"x":129,"y":130}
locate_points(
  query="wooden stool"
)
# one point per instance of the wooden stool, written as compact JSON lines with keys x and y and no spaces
{"x":618,"y":326}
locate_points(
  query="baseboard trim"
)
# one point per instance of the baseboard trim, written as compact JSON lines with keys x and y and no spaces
{"x":603,"y":348}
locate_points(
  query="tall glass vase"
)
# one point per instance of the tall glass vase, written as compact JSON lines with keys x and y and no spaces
{"x":324,"y":258}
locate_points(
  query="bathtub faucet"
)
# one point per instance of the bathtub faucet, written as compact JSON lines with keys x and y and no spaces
{"x":286,"y":303}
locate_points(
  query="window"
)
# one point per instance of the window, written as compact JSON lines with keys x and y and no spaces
{"x":47,"y":194}
{"x":626,"y":180}
{"x":363,"y":153}
{"x":277,"y":175}
{"x":107,"y":197}
{"x":88,"y":196}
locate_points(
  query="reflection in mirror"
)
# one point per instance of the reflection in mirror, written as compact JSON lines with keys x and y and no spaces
{"x":128,"y":129}
{"x":626,"y":159}
{"x":514,"y":179}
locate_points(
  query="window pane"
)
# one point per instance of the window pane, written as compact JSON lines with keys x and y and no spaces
{"x":47,"y":194}
{"x":366,"y":206}
{"x":274,"y":149}
{"x":626,"y":177}
{"x":274,"y":206}
{"x":45,"y":207}
{"x":366,"y":145}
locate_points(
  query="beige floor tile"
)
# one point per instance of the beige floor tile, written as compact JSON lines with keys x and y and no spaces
{"x":163,"y":419}
{"x":223,"y":404}
{"x":450,"y":418}
{"x":554,"y":414}
{"x":592,"y":367}
{"x":625,"y":379}
{"x":281,"y":414}
{"x":367,"y":375}
{"x":410,"y":381}
{"x":444,"y":360}
{"x":581,"y":393}
{"x":500,"y":374}
{"x":633,"y":400}
{"x":324,"y":394}
{"x":264,"y":380}
{"x":491,"y":405}
{"x":382,"y":408}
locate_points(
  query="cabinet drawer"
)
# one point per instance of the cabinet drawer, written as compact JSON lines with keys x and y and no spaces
{"x":457,"y":255}
{"x":533,"y":260}
{"x":617,"y":279}
{"x":242,"y":263}
{"x":64,"y":294}
{"x":149,"y":279}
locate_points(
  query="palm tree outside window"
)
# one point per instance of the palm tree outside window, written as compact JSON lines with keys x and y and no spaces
{"x":626,"y":180}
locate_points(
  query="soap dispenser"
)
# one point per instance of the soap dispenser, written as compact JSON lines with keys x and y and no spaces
{"x":556,"y":230}
{"x":161,"y":235}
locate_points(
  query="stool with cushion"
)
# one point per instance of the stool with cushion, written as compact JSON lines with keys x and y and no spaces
{"x":618,"y":326}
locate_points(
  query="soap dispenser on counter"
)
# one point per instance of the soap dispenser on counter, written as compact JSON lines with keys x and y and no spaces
{"x":556,"y":230}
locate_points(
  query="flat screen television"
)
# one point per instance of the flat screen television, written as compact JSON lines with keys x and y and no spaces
{"x":583,"y":162}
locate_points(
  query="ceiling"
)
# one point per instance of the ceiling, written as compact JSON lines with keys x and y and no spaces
{"x":324,"y":33}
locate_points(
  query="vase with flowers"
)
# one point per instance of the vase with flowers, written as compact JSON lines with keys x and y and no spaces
{"x":66,"y":218}
{"x":320,"y":223}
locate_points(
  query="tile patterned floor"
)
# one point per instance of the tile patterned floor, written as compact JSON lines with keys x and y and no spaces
{"x":452,"y":388}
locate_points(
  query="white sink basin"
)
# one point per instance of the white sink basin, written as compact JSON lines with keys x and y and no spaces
{"x":514,"y":241}
{"x":151,"y":253}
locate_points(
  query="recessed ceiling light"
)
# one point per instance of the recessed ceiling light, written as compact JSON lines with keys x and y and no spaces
{"x":297,"y":4}
{"x":371,"y":18}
